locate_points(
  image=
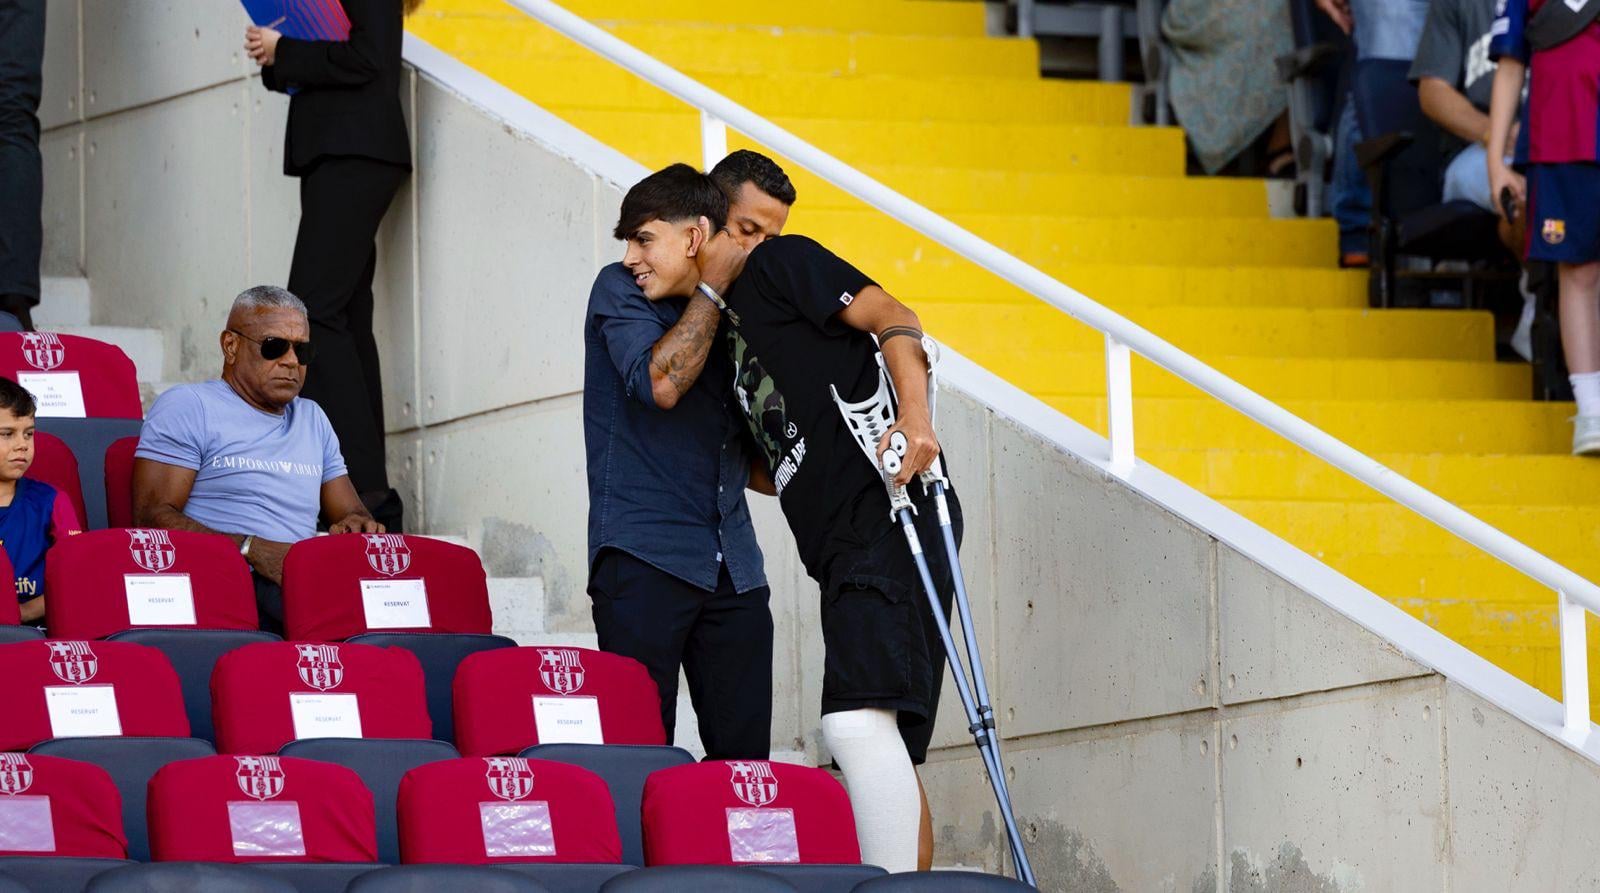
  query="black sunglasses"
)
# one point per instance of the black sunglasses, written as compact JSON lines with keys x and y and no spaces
{"x":273,"y":348}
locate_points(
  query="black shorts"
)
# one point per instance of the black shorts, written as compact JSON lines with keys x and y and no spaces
{"x":883,"y":647}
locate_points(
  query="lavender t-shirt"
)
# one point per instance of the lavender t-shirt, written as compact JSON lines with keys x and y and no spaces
{"x":255,"y":472}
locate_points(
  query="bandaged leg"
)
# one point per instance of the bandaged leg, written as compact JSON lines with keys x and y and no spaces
{"x":882,"y":784}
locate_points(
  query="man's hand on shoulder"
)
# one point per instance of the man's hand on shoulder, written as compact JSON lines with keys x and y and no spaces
{"x":721,"y":259}
{"x":356,"y":522}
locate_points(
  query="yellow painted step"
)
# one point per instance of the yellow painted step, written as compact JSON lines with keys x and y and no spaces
{"x":948,"y":17}
{"x":599,"y":84}
{"x":658,"y":139}
{"x":950,"y":191}
{"x":1388,"y":528}
{"x":1179,"y":241}
{"x":1390,"y":426}
{"x":1280,"y":378}
{"x":983,"y":331}
{"x":1125,"y":286}
{"x":696,"y":48}
{"x":1265,"y":476}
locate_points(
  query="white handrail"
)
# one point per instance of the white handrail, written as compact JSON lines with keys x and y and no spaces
{"x":1121,"y":334}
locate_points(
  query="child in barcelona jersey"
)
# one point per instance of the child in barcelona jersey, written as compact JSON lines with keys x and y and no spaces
{"x":1556,"y":43}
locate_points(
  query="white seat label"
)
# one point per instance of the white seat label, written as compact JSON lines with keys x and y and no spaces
{"x":26,"y":825}
{"x":762,"y":835}
{"x":325,"y":715}
{"x":574,"y":719}
{"x":82,"y":711}
{"x":395,"y":604}
{"x":269,"y":828}
{"x":159,"y":599}
{"x":517,"y":829}
{"x":58,"y":394}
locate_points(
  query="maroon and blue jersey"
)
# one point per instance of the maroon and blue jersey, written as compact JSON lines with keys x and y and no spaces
{"x":1562,"y":120}
{"x":38,"y":517}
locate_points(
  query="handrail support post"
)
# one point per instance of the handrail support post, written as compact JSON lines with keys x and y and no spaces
{"x":713,"y":139}
{"x":1574,"y":665}
{"x":1119,"y":405}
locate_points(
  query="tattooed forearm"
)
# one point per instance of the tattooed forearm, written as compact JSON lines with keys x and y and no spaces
{"x":680,"y":355}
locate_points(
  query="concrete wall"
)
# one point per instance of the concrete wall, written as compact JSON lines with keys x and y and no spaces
{"x":1178,"y":719}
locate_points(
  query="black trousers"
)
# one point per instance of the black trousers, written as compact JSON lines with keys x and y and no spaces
{"x":21,"y":168}
{"x":269,"y":601}
{"x":342,"y":201}
{"x":723,"y":640}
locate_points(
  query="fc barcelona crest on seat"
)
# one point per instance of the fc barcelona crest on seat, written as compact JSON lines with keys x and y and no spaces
{"x":43,"y":351}
{"x":319,"y":666}
{"x":388,"y":553}
{"x":754,"y":782}
{"x":510,"y":778}
{"x":16,"y":774}
{"x":152,"y":549}
{"x":560,"y":670}
{"x":73,"y":662}
{"x":259,"y":777}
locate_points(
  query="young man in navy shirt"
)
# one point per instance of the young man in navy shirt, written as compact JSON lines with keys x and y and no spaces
{"x":675,"y":572}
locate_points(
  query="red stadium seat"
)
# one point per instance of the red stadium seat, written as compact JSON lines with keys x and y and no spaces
{"x":10,"y":608}
{"x":736,"y":812}
{"x":54,"y":464}
{"x":335,"y":587}
{"x":65,"y":689}
{"x":481,"y":810}
{"x":119,"y":482}
{"x":106,"y":581}
{"x":260,"y":809}
{"x":71,"y":376}
{"x":270,"y":693}
{"x":513,"y":698}
{"x":50,"y":806}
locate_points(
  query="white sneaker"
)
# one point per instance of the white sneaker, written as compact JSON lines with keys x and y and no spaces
{"x":1522,"y":336}
{"x":1586,"y":435}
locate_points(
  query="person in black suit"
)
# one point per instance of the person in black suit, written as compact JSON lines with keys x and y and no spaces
{"x":347,"y":142}
{"x":21,"y":168}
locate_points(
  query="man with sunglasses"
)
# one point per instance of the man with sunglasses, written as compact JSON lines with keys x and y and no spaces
{"x":245,"y":455}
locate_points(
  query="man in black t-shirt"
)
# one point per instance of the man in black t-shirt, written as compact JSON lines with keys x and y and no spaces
{"x":1453,"y":74}
{"x":801,"y":320}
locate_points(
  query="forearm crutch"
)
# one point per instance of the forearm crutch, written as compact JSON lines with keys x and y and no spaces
{"x":867,"y":421}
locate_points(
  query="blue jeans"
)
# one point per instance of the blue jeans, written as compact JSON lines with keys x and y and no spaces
{"x":1384,"y":29}
{"x":1467,"y":177}
{"x":1349,"y":199}
{"x":1387,"y":29}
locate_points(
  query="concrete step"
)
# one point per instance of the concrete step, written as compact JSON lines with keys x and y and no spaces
{"x":63,"y":301}
{"x":146,"y":347}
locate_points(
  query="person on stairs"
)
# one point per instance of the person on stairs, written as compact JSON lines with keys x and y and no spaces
{"x":1454,"y":77}
{"x":1558,"y":191}
{"x":346,"y":140}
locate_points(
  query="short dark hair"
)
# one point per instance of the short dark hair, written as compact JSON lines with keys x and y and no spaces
{"x":745,"y":166}
{"x":15,"y":397}
{"x":674,"y":193}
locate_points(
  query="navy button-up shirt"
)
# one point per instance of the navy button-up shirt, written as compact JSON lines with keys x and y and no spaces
{"x":666,"y":486}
